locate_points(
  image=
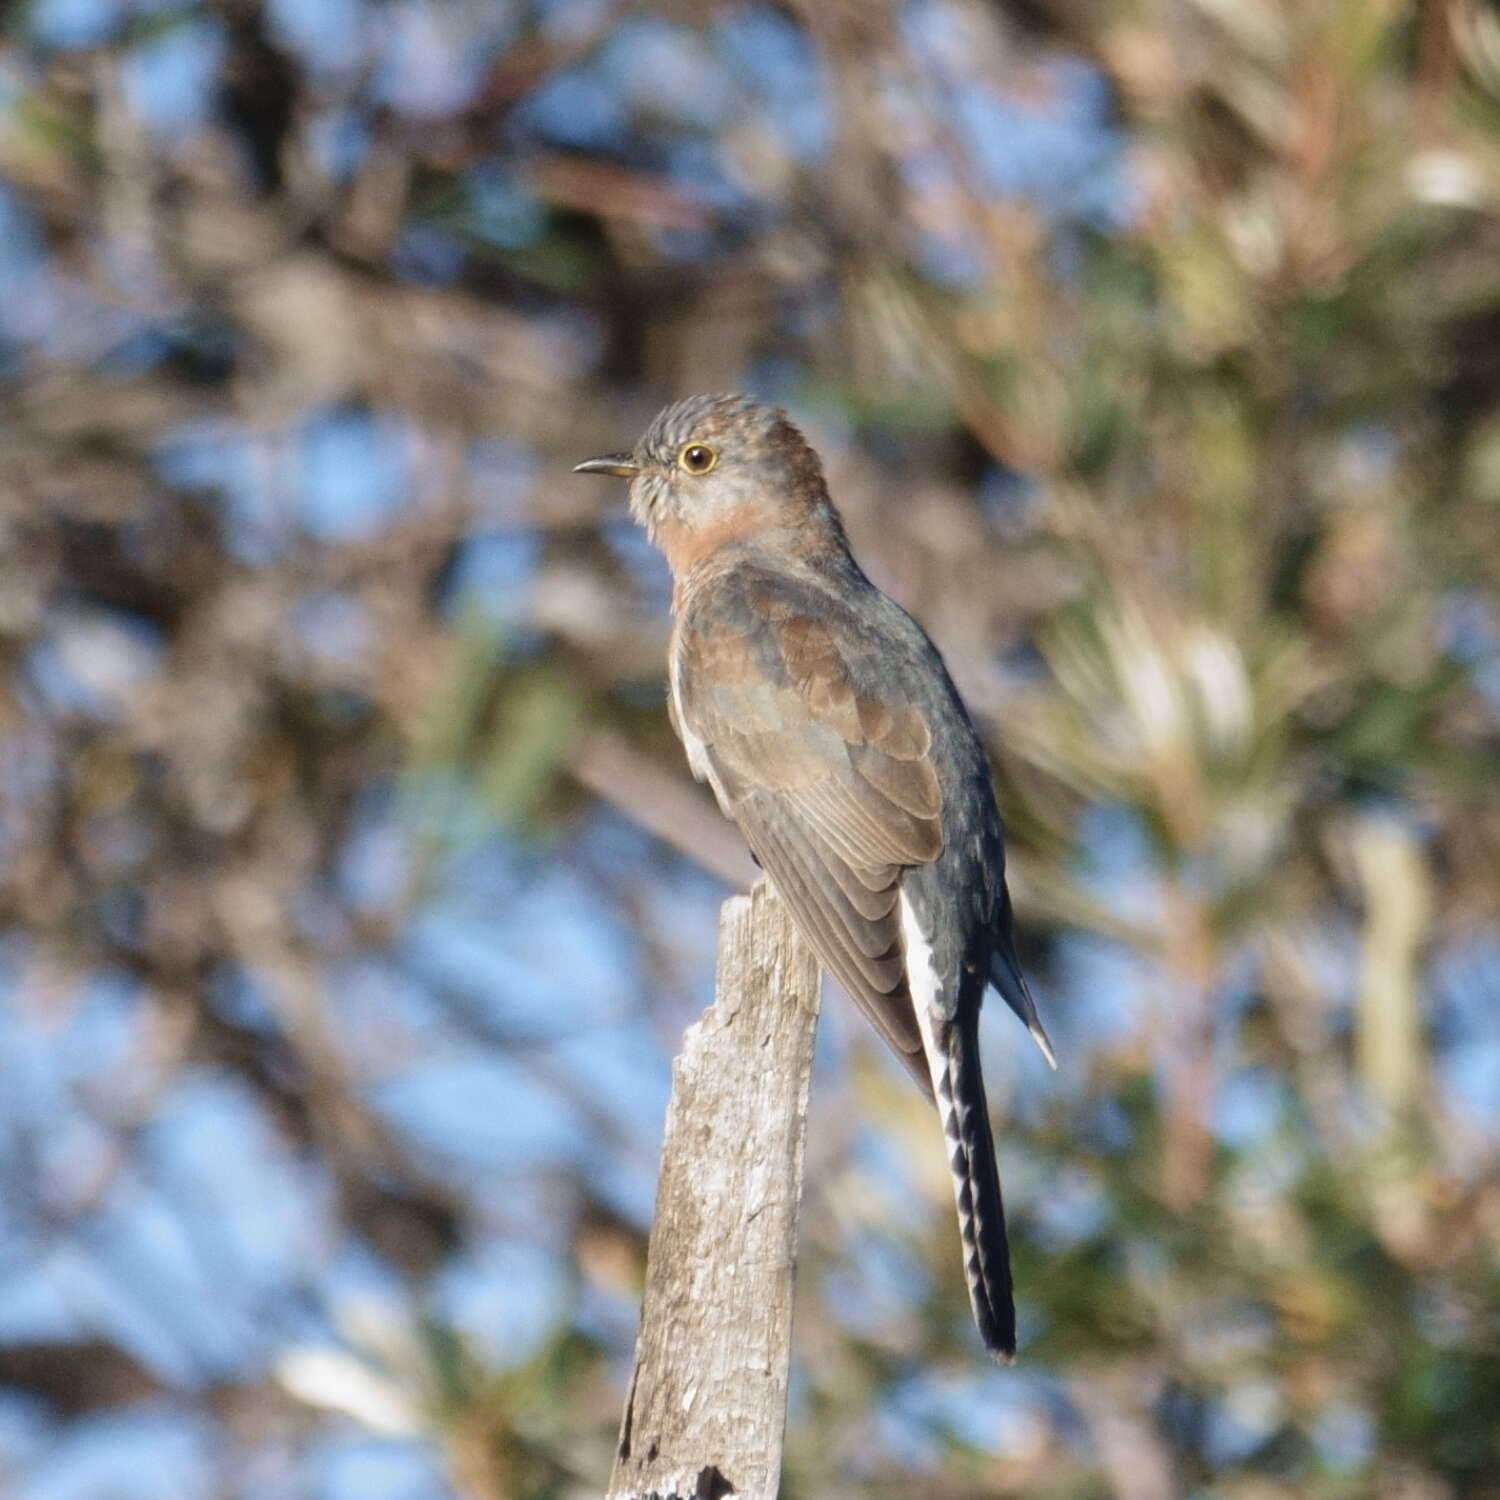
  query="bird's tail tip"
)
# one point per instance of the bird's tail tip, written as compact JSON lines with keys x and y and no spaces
{"x":997,"y":1326}
{"x":996,"y":1323}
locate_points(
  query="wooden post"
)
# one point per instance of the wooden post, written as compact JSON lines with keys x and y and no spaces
{"x":707,"y":1403}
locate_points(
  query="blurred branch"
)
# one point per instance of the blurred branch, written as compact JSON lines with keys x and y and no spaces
{"x":1397,"y":906}
{"x":663,"y":804}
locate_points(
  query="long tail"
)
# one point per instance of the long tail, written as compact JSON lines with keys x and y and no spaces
{"x":976,"y":1189}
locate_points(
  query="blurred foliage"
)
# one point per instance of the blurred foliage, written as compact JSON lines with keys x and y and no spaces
{"x":352,"y":886}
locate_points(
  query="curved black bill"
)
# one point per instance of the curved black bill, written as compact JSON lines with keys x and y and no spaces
{"x":621,"y":465}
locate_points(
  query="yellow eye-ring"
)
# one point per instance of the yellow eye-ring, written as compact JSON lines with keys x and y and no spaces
{"x":696,"y":458}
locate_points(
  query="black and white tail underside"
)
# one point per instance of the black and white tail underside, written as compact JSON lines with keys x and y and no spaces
{"x":976,"y":1190}
{"x":952,"y":1049}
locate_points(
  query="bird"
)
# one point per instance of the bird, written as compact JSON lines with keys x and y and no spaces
{"x":830,"y":731}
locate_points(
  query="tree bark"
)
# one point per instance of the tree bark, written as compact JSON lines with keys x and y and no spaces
{"x":707,"y":1403}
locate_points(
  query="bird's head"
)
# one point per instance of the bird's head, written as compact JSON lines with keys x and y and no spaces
{"x":712,"y":469}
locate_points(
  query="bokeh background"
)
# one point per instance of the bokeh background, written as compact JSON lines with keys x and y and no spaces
{"x":354,"y":894}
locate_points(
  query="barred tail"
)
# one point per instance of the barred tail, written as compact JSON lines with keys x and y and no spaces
{"x":976,"y":1190}
{"x":951,"y":1044}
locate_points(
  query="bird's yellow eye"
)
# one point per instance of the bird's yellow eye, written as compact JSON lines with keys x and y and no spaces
{"x":697,"y":458}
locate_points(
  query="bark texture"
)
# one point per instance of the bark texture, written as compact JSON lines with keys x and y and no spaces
{"x":707,"y":1403}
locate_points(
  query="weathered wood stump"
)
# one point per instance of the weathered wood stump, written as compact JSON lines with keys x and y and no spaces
{"x":707,"y":1403}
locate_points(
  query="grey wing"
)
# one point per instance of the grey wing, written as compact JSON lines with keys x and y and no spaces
{"x":827,"y":770}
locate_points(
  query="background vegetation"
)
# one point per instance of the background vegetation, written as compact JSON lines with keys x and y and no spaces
{"x":353,"y":893}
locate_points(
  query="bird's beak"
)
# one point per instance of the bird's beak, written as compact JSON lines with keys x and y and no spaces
{"x":621,"y":465}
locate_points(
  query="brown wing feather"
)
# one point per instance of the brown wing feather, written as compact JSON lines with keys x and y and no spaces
{"x":828,"y":776}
